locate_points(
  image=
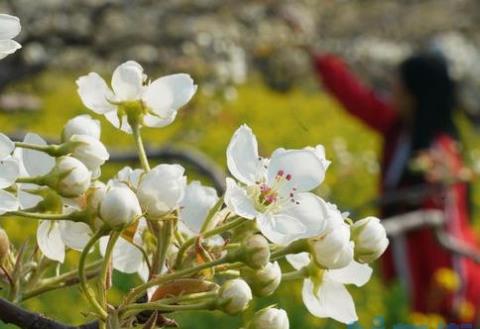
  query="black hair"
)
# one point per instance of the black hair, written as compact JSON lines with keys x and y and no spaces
{"x":426,"y":77}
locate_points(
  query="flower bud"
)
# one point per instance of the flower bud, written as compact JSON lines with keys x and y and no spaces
{"x":4,"y":246}
{"x":119,"y":207}
{"x":256,"y":251}
{"x":161,"y":189}
{"x":370,"y":239}
{"x":334,"y":249}
{"x":234,"y":296}
{"x":265,"y":281}
{"x":270,"y":318}
{"x":88,"y":150}
{"x":81,"y":125}
{"x":95,"y":195}
{"x":69,"y":177}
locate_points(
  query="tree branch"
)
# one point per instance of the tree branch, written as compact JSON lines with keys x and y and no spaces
{"x":14,"y":314}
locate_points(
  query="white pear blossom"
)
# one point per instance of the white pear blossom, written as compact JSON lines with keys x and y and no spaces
{"x":6,"y":146}
{"x":9,"y":28}
{"x":275,"y":191}
{"x":234,"y":296}
{"x":9,"y":172}
{"x":157,"y":101}
{"x":196,"y":204}
{"x":370,"y":239}
{"x":53,"y":237}
{"x":270,"y":318}
{"x":71,"y":177}
{"x":264,"y":281}
{"x":81,"y":125}
{"x":90,"y":151}
{"x":119,"y":207}
{"x":161,"y":189}
{"x":127,"y":257}
{"x":324,"y":293}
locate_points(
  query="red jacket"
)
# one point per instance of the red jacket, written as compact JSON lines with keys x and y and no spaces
{"x":421,"y":251}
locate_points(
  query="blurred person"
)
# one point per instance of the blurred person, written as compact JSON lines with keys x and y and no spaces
{"x":417,"y":118}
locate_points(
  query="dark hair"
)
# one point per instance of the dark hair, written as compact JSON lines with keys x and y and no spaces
{"x":426,"y":77}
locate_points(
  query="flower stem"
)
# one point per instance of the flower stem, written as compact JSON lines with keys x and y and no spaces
{"x":37,"y":215}
{"x":53,"y":150}
{"x":83,"y":278}
{"x":64,"y":280}
{"x":107,"y":259}
{"x":293,"y":248}
{"x":211,"y":215}
{"x":142,"y":155}
{"x":164,"y":240}
{"x":220,"y":229}
{"x":138,"y":291}
{"x":295,"y":275}
{"x":165,"y":304}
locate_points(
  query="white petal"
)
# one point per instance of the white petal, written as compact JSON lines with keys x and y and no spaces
{"x":8,"y":47}
{"x":304,"y":167}
{"x":75,"y":235}
{"x":281,"y":229}
{"x":144,"y":272}
{"x":167,"y":94}
{"x":26,"y":199}
{"x":9,"y":171}
{"x":299,"y":261}
{"x":6,"y":146}
{"x":354,"y":273}
{"x":36,"y":163}
{"x":9,"y":26}
{"x":50,"y":241}
{"x":158,"y":122}
{"x":242,"y":156}
{"x":113,"y":118}
{"x":311,"y":211}
{"x":126,"y":257}
{"x":237,"y":200}
{"x":8,"y":202}
{"x":196,"y":204}
{"x":94,"y":92}
{"x":332,"y":300}
{"x":127,"y":81}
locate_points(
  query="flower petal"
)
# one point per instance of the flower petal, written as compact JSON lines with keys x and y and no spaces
{"x":196,"y":204}
{"x":127,"y":81}
{"x":95,"y":93}
{"x":50,"y":241}
{"x":8,"y":202}
{"x":281,"y":229}
{"x":9,"y":171}
{"x":113,"y":118}
{"x":75,"y":235}
{"x":157,"y":122}
{"x":36,"y":163}
{"x":9,"y":26}
{"x":354,"y":273}
{"x":167,"y":94}
{"x":8,"y":47}
{"x":304,"y":167}
{"x":242,"y":156}
{"x":126,"y":257}
{"x":237,"y":200}
{"x":6,"y":146}
{"x":311,"y":211}
{"x":331,"y":300}
{"x":299,"y":261}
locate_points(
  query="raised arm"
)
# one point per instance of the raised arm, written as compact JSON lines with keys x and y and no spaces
{"x":355,"y":97}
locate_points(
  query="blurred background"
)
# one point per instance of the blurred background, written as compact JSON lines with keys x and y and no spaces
{"x":247,"y":59}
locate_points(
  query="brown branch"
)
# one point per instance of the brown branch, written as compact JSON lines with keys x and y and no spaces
{"x":14,"y":314}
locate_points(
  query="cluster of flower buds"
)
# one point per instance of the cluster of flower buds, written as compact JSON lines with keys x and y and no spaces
{"x":192,"y":249}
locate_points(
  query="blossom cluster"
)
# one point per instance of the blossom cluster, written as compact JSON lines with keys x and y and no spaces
{"x":193,"y":249}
